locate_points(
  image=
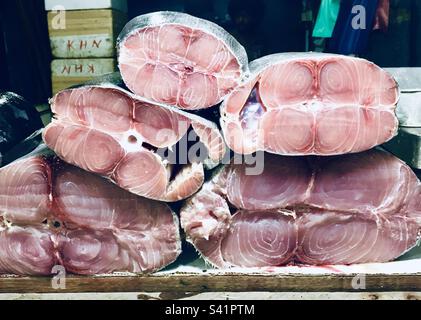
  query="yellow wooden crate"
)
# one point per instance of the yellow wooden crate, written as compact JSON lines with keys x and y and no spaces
{"x":85,"y":33}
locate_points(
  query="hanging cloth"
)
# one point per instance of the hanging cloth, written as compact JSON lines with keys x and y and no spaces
{"x":326,"y":19}
{"x":353,"y":27}
{"x":381,"y":21}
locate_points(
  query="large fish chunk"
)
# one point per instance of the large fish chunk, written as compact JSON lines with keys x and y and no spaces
{"x":82,"y":222}
{"x":311,"y":104}
{"x":144,"y":233}
{"x":25,"y":189}
{"x":339,"y":210}
{"x":106,"y":130}
{"x":180,"y":60}
{"x":26,"y":250}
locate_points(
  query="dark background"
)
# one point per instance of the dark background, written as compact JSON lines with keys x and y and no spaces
{"x":262,"y":26}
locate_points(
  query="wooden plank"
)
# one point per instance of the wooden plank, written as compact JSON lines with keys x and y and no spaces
{"x":87,"y":33}
{"x":214,"y":296}
{"x":214,"y":283}
{"x":83,"y":4}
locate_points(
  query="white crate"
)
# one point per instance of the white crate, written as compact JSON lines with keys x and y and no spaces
{"x":120,"y":5}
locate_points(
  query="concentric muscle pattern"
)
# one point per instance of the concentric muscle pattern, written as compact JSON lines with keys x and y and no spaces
{"x":93,"y":226}
{"x":180,"y":60}
{"x":311,"y":104}
{"x":106,"y":131}
{"x":338,"y":210}
{"x":334,"y":238}
{"x":24,"y":191}
{"x":259,"y":239}
{"x":26,"y":251}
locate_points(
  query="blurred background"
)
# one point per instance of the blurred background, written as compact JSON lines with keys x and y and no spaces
{"x":391,"y":38}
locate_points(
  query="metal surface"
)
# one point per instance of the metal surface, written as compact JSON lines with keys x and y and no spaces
{"x":409,"y":79}
{"x":407,"y":146}
{"x":409,"y":109}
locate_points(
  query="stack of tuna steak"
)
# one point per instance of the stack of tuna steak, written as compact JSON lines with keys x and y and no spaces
{"x":105,"y":216}
{"x":98,"y":204}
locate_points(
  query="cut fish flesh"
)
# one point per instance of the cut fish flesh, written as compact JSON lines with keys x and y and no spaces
{"x":82,"y":222}
{"x":26,"y":251}
{"x":106,"y":130}
{"x":25,"y":189}
{"x":311,"y":104}
{"x":180,"y":60}
{"x":349,"y":209}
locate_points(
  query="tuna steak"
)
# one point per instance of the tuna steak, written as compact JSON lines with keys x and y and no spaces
{"x":177,"y":59}
{"x":337,"y":210}
{"x":311,"y":103}
{"x":26,"y":251}
{"x":106,"y":130}
{"x":53,"y":213}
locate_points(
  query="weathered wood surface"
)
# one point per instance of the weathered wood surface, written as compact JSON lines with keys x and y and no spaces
{"x":214,"y":296}
{"x":182,"y":283}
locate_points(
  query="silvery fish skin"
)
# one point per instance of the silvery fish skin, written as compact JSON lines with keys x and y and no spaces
{"x":30,"y":146}
{"x":18,"y":120}
{"x":207,"y":61}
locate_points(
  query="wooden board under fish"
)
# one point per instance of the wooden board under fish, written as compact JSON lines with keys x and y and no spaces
{"x":182,"y":283}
